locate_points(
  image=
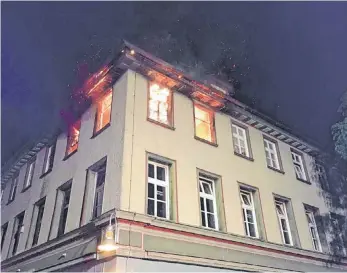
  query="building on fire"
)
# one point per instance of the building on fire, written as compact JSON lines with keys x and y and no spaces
{"x":179,"y":174}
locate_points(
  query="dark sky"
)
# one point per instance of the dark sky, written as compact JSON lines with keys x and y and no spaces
{"x":295,"y":54}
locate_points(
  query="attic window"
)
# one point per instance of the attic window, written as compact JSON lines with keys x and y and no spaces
{"x":73,"y":138}
{"x":103,"y":114}
{"x":204,"y":124}
{"x":160,"y":104}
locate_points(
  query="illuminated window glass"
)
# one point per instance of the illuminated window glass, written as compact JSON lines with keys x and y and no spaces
{"x":204,"y":125}
{"x":73,"y":137}
{"x":103,"y":115}
{"x":159,"y":104}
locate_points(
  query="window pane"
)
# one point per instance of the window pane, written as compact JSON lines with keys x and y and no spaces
{"x":209,"y":205}
{"x":284,"y":225}
{"x":203,"y":219}
{"x":160,"y":173}
{"x":150,"y":170}
{"x":286,"y":237}
{"x":150,"y":190}
{"x":202,"y":205}
{"x":203,"y":130}
{"x":210,"y":220}
{"x":159,"y":103}
{"x":161,"y":209}
{"x":207,"y":188}
{"x":252,"y":230}
{"x":161,"y":193}
{"x":250,"y":216}
{"x":150,"y":207}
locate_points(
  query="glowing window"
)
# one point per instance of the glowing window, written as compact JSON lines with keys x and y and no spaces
{"x":159,"y":104}
{"x":103,"y":114}
{"x":73,"y":137}
{"x":204,"y":124}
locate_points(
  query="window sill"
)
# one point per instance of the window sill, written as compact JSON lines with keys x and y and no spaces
{"x":95,"y":134}
{"x":161,"y":124}
{"x":244,"y":156}
{"x":69,"y":155}
{"x":26,"y":188}
{"x":304,"y":181}
{"x":44,"y":174}
{"x":276,"y":170}
{"x":206,"y":141}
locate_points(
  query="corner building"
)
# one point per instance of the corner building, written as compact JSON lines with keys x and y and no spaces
{"x":198,"y":180}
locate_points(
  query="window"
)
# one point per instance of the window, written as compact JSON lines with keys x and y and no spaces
{"x":73,"y":138}
{"x":64,"y":210}
{"x":282,"y":215}
{"x":99,"y":190}
{"x":271,"y":154}
{"x":18,"y":230}
{"x":160,"y":104}
{"x":49,"y":158}
{"x":29,"y":175}
{"x":13,"y":189}
{"x":3,"y":233}
{"x":299,"y":166}
{"x":158,"y":190}
{"x":313,"y":230}
{"x":209,"y":218}
{"x":204,"y":123}
{"x":40,"y":209}
{"x":240,"y":140}
{"x":248,"y":212}
{"x":103,"y":113}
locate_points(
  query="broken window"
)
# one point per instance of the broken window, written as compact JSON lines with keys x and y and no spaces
{"x":103,"y":114}
{"x":73,"y":137}
{"x":204,"y":123}
{"x":160,"y":104}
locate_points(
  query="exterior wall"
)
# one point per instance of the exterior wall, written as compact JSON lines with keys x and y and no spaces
{"x":180,"y":145}
{"x":90,"y":150}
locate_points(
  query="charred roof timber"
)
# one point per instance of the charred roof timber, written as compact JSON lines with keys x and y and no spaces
{"x":211,"y":91}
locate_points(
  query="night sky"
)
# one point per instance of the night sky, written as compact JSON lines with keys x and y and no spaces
{"x":291,"y":57}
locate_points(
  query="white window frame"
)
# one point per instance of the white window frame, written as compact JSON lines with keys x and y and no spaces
{"x":49,"y":150}
{"x":13,"y":189}
{"x":160,"y":105}
{"x":271,"y":148}
{"x":156,"y":182}
{"x":251,"y":208}
{"x":238,"y":138}
{"x":29,"y":175}
{"x":205,"y":196}
{"x":298,"y":162}
{"x":283,"y":205}
{"x":312,"y":227}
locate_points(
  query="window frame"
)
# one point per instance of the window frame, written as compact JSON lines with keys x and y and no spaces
{"x":246,"y":140}
{"x":251,"y":207}
{"x":165,"y":184}
{"x":64,"y":205}
{"x":276,"y":153}
{"x":300,"y":164}
{"x":170,"y":112}
{"x":99,"y":188}
{"x":310,"y":213}
{"x":17,"y":231}
{"x":212,"y":124}
{"x":29,"y":174}
{"x":13,"y":189}
{"x":49,"y":159}
{"x":96,"y":130}
{"x":77,"y":125}
{"x":205,"y":196}
{"x":283,"y":204}
{"x":38,"y":221}
{"x":4,"y":229}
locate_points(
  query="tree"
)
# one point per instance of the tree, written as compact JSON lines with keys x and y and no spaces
{"x":339,"y":129}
